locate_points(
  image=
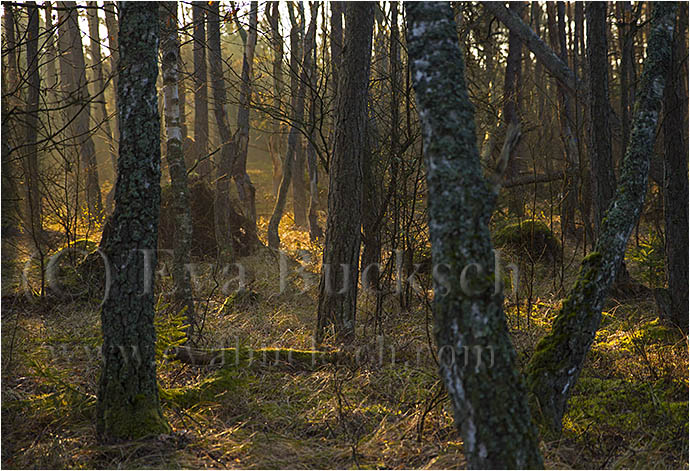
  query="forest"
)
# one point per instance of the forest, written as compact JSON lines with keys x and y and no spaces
{"x":336,"y":235}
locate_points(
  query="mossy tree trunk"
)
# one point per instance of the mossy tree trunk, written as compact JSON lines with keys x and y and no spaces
{"x":477,"y":359}
{"x":293,"y":138}
{"x":182,"y":242}
{"x":128,"y":404}
{"x":340,"y":270}
{"x":559,"y":356}
{"x":676,"y":175}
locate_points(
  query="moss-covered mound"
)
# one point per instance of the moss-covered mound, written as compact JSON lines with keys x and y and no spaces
{"x":66,"y":275}
{"x":530,"y":238}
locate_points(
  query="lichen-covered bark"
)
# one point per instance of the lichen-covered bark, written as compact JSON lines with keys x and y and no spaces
{"x":600,"y":158}
{"x":477,"y":359}
{"x":676,"y":176}
{"x":293,"y":138}
{"x":339,"y":275}
{"x":182,"y":241}
{"x":128,"y":405}
{"x":559,"y":357}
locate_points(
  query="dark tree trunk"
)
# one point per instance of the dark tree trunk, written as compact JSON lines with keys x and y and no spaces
{"x":182,"y":241}
{"x":33,"y":194}
{"x":111,"y":24}
{"x":99,"y":95}
{"x":627,"y":71}
{"x":315,"y":231}
{"x":293,"y":138}
{"x":339,"y":275}
{"x":128,"y":404}
{"x":559,"y":357}
{"x":204,"y":167}
{"x":75,"y":86}
{"x":676,"y":175}
{"x":276,"y":140}
{"x":600,"y":159}
{"x":245,"y":188}
{"x":477,"y":359}
{"x":226,"y":160}
{"x":299,"y":191}
{"x":511,"y":105}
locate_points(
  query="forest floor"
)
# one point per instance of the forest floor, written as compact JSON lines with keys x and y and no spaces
{"x":385,"y":409}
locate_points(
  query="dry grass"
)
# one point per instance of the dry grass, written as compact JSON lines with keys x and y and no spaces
{"x":383,"y":412}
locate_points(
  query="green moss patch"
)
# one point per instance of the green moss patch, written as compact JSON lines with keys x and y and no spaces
{"x":529,"y":238}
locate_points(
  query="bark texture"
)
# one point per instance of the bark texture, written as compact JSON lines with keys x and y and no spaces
{"x":128,"y":405}
{"x":477,"y":359}
{"x":275,"y":142}
{"x":676,"y":175}
{"x":339,"y":275}
{"x":559,"y":356}
{"x":600,"y":158}
{"x":182,"y":241}
{"x":33,"y":194}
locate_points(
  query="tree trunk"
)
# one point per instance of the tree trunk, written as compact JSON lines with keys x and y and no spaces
{"x":275,"y":143}
{"x":33,"y":193}
{"x":293,"y":138}
{"x":228,"y":154}
{"x":339,"y":275}
{"x":511,"y":105}
{"x":204,"y":167}
{"x":75,"y":86}
{"x":111,"y":24}
{"x":559,"y":357}
{"x":182,"y":241}
{"x":477,"y":359}
{"x":128,"y":405}
{"x":315,"y":231}
{"x":96,"y":57}
{"x":245,"y":188}
{"x":676,"y":175}
{"x":601,"y":162}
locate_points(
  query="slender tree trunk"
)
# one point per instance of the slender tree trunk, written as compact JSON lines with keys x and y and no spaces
{"x":110,"y":10}
{"x":245,"y":188}
{"x":182,"y":241}
{"x":676,"y":175}
{"x":99,"y":96}
{"x":200,"y":91}
{"x":275,"y":143}
{"x":477,"y":359}
{"x":76,"y":87}
{"x":293,"y":138}
{"x":626,"y":71}
{"x":603,"y":178}
{"x":228,"y":154}
{"x":559,"y":357}
{"x":51,"y":77}
{"x":128,"y":405}
{"x":33,"y":193}
{"x":339,"y":275}
{"x":315,"y":231}
{"x":511,"y":105}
